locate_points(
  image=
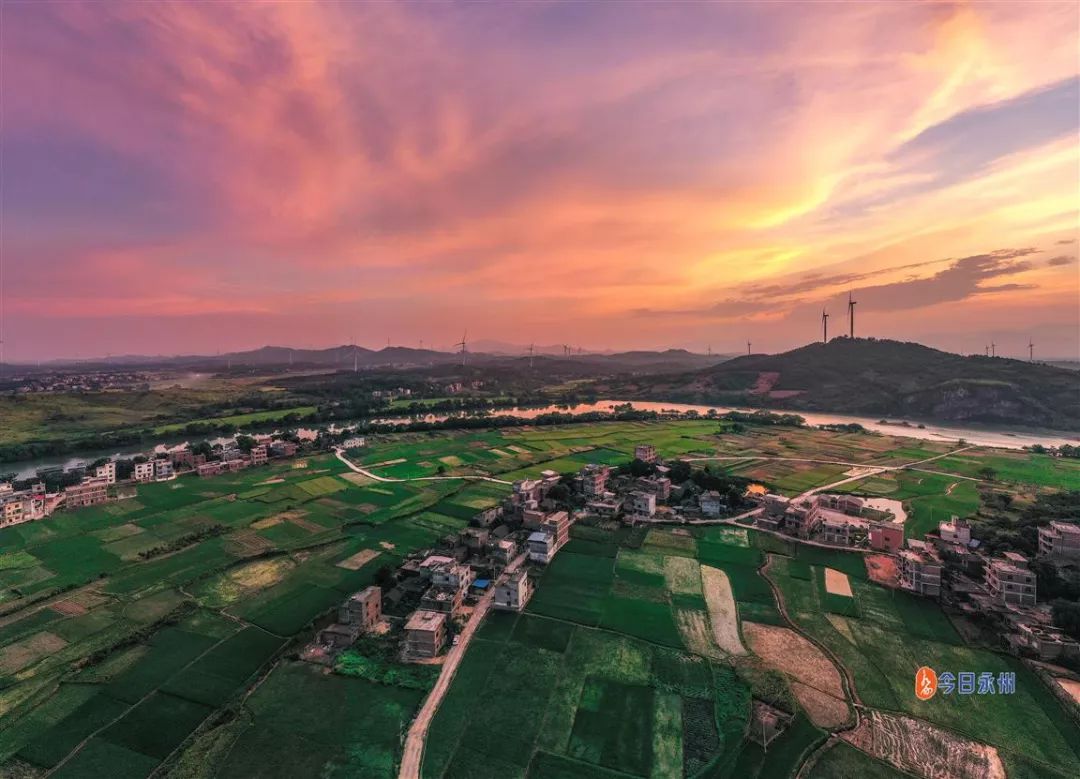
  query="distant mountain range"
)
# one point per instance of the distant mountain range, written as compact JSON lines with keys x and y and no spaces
{"x":346,"y":357}
{"x":872,"y":377}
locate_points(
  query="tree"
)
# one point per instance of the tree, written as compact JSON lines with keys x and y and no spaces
{"x":204,"y":448}
{"x":679,"y":471}
{"x":245,"y":443}
{"x":986,"y":473}
{"x":1067,"y":616}
{"x":640,"y":468}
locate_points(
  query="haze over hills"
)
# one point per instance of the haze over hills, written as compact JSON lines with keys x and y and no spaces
{"x":878,"y":377}
{"x":347,"y":356}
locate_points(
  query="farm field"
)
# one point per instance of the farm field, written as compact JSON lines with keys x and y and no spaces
{"x":240,"y":419}
{"x":884,"y":636}
{"x":113,"y":653}
{"x":129,"y":647}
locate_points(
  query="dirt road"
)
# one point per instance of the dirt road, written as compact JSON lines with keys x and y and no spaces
{"x":413,"y":756}
{"x":364,"y":472}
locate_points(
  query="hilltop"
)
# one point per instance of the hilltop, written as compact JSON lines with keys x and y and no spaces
{"x":879,"y":377}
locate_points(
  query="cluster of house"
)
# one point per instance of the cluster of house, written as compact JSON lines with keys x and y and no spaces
{"x":840,"y":520}
{"x":946,"y":564}
{"x":101,"y":486}
{"x":95,"y":381}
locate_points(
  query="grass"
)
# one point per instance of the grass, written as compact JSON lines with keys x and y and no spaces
{"x":843,"y":761}
{"x":239,"y":420}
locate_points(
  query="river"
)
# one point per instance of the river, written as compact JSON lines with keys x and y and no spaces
{"x":980,"y":435}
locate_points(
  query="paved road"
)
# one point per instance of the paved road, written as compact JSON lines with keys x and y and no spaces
{"x":363,"y":471}
{"x":413,"y":755}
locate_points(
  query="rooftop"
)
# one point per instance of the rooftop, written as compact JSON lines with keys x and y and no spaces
{"x":425,"y":620}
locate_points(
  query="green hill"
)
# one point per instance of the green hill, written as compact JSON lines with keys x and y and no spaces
{"x":888,"y":378}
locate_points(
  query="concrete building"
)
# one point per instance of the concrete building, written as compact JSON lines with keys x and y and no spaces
{"x":143,"y":471}
{"x":1010,"y":581}
{"x":163,"y":470}
{"x":259,"y":454}
{"x":920,"y":569}
{"x":558,"y":524}
{"x":339,"y":635}
{"x":501,"y":552}
{"x":593,"y":480}
{"x":283,"y":449}
{"x":514,"y":593}
{"x":541,"y":547}
{"x":425,"y":634}
{"x":835,"y":529}
{"x":213,"y":468}
{"x":363,"y":609}
{"x":106,"y":472}
{"x":955,"y":531}
{"x":607,"y":506}
{"x":1046,"y":642}
{"x":442,"y":600}
{"x":710,"y":503}
{"x":660,"y":486}
{"x":886,"y":536}
{"x":645,"y":452}
{"x":91,"y":492}
{"x":1059,"y":541}
{"x":452,"y":576}
{"x":641,"y":504}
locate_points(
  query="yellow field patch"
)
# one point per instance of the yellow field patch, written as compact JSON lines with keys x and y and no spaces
{"x":452,"y":460}
{"x":722,"y":612}
{"x":500,"y":453}
{"x":694,"y":628}
{"x":262,"y":524}
{"x":843,"y":627}
{"x":836,"y":583}
{"x":247,"y":579}
{"x":683,"y":575}
{"x":358,"y":560}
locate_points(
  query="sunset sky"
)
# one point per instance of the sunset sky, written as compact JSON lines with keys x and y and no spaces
{"x":217,"y":176}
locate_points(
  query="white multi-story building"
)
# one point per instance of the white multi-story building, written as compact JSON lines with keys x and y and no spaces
{"x":542,"y":546}
{"x":641,"y":504}
{"x":143,"y":471}
{"x":1010,"y":581}
{"x":955,"y":531}
{"x":920,"y":569}
{"x":514,"y":593}
{"x":106,"y":472}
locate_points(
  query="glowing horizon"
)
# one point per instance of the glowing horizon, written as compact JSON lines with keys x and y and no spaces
{"x":189,"y":178}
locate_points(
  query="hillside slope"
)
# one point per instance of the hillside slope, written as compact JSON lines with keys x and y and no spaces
{"x":888,"y":378}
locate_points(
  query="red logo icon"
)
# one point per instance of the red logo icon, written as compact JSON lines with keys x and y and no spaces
{"x":925,"y":683}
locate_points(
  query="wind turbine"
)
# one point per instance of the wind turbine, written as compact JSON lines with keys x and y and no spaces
{"x":747,"y":348}
{"x":531,"y":346}
{"x":1031,"y":350}
{"x":993,"y":349}
{"x":461,"y":343}
{"x":824,"y":326}
{"x":851,"y":313}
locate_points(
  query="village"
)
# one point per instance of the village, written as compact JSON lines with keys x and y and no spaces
{"x":496,"y":561}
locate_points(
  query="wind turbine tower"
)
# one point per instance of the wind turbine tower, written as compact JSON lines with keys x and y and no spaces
{"x":461,"y":344}
{"x":747,"y":348}
{"x":1031,"y":350}
{"x":531,"y":348}
{"x":993,"y":349}
{"x":824,"y":327}
{"x":851,"y":314}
